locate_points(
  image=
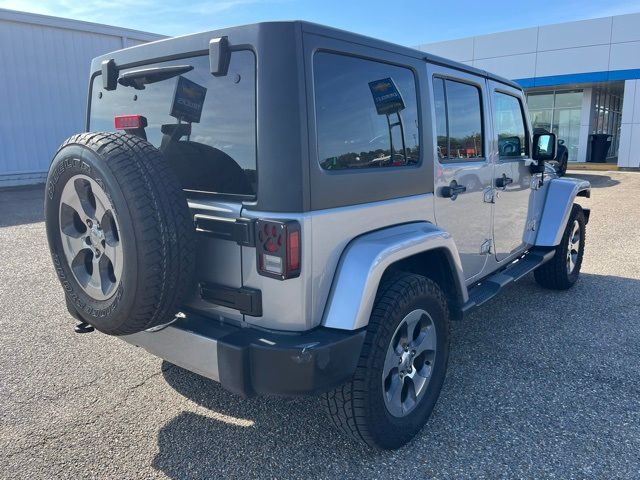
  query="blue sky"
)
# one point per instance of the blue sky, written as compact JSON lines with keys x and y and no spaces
{"x":408,"y":22}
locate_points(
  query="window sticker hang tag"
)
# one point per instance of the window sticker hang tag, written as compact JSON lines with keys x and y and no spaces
{"x":188,"y":100}
{"x":386,"y":96}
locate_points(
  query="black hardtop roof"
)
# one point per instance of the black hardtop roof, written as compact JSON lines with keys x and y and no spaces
{"x":393,"y":47}
{"x":198,"y":42}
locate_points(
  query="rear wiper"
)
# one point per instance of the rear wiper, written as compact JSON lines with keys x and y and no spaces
{"x":139,"y":78}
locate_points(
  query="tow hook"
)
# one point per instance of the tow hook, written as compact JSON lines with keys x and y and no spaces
{"x":83,"y":327}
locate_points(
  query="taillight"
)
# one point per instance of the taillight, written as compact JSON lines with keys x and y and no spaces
{"x":130,"y":122}
{"x":293,"y":251}
{"x":278,"y":246}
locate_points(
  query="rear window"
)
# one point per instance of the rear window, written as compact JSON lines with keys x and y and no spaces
{"x":366,"y":113}
{"x":212,"y":150}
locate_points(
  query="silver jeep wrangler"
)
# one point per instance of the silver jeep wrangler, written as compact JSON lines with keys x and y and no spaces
{"x":290,"y":209}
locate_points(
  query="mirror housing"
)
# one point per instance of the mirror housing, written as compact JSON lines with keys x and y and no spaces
{"x":545,"y":147}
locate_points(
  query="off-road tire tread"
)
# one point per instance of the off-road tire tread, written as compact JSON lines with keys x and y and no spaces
{"x":345,"y":404}
{"x":553,"y":274}
{"x":157,"y":203}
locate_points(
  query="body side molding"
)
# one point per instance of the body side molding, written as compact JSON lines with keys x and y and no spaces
{"x":367,"y":257}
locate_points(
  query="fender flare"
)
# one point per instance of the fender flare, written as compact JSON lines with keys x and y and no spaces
{"x":366,"y":258}
{"x":561,"y":193}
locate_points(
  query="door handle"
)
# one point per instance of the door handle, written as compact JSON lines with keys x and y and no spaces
{"x":503,"y":181}
{"x":453,"y":190}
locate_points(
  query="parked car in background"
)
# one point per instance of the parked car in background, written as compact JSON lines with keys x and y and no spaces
{"x":562,"y":158}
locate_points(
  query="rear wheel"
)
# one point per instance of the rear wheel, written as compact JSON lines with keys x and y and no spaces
{"x":402,"y":366}
{"x":562,"y":271}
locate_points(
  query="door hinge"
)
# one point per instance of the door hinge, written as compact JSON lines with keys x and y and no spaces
{"x":490,"y":195}
{"x":239,"y":230}
{"x":246,"y":300}
{"x":536,"y":184}
{"x":485,"y":248}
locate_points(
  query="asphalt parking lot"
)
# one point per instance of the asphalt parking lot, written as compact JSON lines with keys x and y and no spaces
{"x":540,"y":384}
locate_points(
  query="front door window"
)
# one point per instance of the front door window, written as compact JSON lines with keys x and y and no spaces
{"x":512,"y":139}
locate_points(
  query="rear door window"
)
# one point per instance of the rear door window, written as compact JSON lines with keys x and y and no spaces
{"x":214,"y":151}
{"x":366,"y":113}
{"x":458,"y":120}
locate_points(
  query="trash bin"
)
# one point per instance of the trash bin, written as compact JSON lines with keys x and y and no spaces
{"x":599,"y":146}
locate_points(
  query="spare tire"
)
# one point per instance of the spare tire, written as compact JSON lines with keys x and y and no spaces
{"x":120,"y":232}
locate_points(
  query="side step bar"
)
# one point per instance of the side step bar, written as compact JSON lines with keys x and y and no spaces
{"x":492,"y":285}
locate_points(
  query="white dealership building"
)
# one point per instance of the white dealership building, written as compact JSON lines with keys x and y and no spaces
{"x":582,"y":79}
{"x":43,"y":86}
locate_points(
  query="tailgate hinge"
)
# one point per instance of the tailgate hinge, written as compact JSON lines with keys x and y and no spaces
{"x":244,"y":299}
{"x":238,"y":230}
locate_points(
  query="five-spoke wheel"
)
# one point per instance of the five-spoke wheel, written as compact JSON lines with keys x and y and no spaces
{"x":409,"y":362}
{"x":402,"y":364}
{"x":573,"y":248}
{"x":562,"y":271}
{"x":90,"y":237}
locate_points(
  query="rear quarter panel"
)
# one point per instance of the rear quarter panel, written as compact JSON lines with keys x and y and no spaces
{"x":298,"y":304}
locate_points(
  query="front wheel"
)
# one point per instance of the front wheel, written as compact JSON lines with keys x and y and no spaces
{"x":402,"y":365}
{"x":561,"y":272}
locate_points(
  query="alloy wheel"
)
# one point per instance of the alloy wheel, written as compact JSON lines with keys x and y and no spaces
{"x":573,"y":248}
{"x":90,"y":237}
{"x":409,"y":363}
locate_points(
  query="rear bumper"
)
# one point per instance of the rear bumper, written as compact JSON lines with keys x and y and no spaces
{"x":248,"y":361}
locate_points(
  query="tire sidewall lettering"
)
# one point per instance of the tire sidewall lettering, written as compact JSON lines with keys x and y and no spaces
{"x":65,"y":165}
{"x":157,"y":234}
{"x":61,"y":171}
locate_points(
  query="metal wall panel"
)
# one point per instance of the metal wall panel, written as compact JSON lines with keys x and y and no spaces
{"x":43,"y":89}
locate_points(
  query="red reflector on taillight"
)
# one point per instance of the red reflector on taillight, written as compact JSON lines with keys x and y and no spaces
{"x":293,"y":250}
{"x":130,"y":122}
{"x":271,"y":246}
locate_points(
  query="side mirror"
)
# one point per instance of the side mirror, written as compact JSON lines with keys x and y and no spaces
{"x":545,"y":147}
